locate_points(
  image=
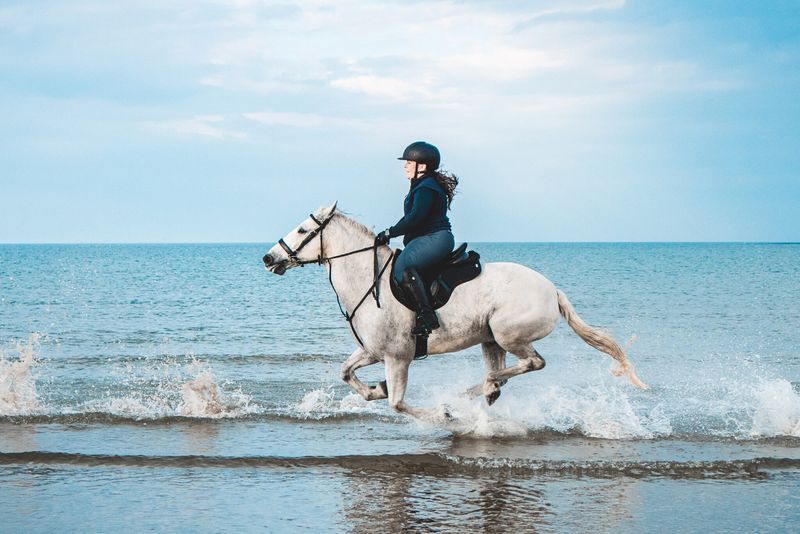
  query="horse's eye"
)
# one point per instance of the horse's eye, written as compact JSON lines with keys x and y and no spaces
{"x":301,"y":231}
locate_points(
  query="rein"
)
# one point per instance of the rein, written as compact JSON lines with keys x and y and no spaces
{"x":374,"y":289}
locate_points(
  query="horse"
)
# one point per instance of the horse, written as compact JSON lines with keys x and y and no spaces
{"x":505,"y":309}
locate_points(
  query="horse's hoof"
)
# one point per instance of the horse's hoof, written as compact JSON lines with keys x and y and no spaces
{"x":493,"y":396}
{"x":378,"y":392}
{"x":446,"y":415}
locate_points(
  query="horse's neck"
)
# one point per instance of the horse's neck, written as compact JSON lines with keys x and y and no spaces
{"x":351,"y":275}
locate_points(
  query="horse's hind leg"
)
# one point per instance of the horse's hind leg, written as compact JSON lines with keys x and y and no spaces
{"x":529,"y":360}
{"x":358,"y":359}
{"x":494,"y":358}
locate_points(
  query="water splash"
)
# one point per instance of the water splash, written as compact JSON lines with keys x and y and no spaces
{"x":17,"y":385}
{"x":742,"y":409}
{"x":321,"y":403}
{"x":202,"y":397}
{"x":777,"y":410}
{"x":182,"y":390}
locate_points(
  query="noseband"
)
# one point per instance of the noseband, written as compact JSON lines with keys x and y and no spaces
{"x":374,"y":289}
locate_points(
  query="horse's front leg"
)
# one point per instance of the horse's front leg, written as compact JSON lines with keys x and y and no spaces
{"x":361,"y":358}
{"x":397,"y":379}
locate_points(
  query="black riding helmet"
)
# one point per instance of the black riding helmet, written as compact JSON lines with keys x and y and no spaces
{"x":422,"y":152}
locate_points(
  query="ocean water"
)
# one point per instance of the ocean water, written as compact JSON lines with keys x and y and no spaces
{"x":182,"y":387}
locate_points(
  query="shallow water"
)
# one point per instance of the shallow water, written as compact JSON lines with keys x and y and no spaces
{"x":181,"y":386}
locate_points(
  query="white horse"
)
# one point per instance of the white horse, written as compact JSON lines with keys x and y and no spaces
{"x":505,"y":309}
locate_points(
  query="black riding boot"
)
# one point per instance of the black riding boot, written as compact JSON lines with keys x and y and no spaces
{"x":415,"y":289}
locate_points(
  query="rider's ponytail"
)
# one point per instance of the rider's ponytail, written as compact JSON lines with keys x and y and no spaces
{"x":448,"y":181}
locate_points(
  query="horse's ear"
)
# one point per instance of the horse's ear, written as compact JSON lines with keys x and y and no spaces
{"x":331,"y":209}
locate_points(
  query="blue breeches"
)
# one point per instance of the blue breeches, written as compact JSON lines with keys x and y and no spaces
{"x":424,"y":252}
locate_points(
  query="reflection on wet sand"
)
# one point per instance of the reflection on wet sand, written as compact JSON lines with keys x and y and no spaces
{"x":20,"y":485}
{"x":18,"y":438}
{"x":420,"y":498}
{"x":420,"y":502}
{"x":200,"y":437}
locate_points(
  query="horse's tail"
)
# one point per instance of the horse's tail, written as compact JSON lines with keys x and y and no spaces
{"x":597,"y":339}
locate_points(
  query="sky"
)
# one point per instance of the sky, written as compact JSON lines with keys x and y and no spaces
{"x":229,"y":121}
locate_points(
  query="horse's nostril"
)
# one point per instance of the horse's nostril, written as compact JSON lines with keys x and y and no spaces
{"x":267,"y":259}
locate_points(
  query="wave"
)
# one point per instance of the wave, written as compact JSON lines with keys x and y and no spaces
{"x":434,"y":464}
{"x":200,"y":398}
{"x":239,"y":359}
{"x":557,"y":412}
{"x":174,"y":389}
{"x":109,"y":418}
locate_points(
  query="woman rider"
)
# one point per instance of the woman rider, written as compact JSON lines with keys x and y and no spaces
{"x":428,"y":239}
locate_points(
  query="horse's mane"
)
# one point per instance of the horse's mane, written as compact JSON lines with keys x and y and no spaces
{"x":341,"y":216}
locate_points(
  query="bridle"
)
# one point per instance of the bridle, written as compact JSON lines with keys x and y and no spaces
{"x":311,"y":235}
{"x":374,"y":289}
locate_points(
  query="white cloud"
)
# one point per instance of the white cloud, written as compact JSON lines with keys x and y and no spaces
{"x":501,"y":62}
{"x":461,"y":56}
{"x":203,"y":125}
{"x":383,"y":86}
{"x":577,"y":8}
{"x":301,"y":120}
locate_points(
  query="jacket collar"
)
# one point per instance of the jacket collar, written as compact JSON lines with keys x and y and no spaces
{"x":416,"y":181}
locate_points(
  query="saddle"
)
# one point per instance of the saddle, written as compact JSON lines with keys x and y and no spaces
{"x":458,"y":267}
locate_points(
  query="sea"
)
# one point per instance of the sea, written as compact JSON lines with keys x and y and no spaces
{"x":181,"y":387}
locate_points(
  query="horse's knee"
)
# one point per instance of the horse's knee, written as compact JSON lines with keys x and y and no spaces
{"x":536,"y":363}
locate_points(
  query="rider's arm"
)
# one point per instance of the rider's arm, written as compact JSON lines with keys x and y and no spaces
{"x":422,"y":202}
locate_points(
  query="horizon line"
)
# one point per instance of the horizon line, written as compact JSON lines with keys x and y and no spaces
{"x":665,"y":242}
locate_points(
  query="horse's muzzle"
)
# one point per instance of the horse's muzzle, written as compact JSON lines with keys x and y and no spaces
{"x":273,"y":266}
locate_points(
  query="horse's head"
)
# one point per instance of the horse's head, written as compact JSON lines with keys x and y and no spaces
{"x":301,"y":245}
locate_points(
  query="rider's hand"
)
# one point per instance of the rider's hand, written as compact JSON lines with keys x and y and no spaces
{"x":382,"y":238}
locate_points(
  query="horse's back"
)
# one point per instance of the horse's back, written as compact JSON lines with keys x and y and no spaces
{"x":508,"y":274}
{"x":510,"y":287}
{"x":525,"y":302}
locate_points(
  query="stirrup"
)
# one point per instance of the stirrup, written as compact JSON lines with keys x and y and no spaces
{"x":427,"y":322}
{"x":420,"y":329}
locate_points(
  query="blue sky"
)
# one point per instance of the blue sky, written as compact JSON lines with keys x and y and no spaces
{"x":595,"y":120}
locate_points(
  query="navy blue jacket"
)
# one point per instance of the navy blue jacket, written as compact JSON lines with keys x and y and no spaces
{"x":425,"y":209}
